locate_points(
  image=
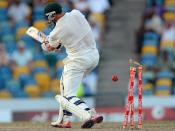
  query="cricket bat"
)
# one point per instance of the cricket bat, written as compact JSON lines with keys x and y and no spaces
{"x":36,"y":34}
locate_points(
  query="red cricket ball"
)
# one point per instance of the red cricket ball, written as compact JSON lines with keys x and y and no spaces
{"x":114,"y":77}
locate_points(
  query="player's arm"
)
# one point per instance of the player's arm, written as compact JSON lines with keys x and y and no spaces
{"x":50,"y":48}
{"x":50,"y":45}
{"x":47,"y":47}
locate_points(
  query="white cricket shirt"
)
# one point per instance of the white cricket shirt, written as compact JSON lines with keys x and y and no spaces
{"x":74,"y":33}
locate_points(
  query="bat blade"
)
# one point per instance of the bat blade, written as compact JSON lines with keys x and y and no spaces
{"x":36,"y":34}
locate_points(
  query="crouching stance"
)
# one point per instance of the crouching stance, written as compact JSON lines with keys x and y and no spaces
{"x":72,"y":31}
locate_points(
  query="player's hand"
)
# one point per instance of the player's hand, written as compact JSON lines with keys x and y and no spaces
{"x":44,"y":47}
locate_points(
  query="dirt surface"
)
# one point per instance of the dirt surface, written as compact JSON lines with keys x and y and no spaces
{"x":28,"y":126}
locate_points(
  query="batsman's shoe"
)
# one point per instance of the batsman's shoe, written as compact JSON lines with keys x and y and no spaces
{"x":66,"y":124}
{"x":93,"y":120}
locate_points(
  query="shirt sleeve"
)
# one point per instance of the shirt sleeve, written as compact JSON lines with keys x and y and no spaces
{"x":54,"y":41}
{"x":55,"y":37}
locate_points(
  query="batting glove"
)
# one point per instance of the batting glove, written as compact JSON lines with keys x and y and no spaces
{"x":43,"y":46}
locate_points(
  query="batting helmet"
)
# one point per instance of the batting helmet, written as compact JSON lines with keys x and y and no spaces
{"x":51,"y":9}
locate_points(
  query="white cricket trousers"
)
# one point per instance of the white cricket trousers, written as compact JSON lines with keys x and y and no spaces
{"x":74,"y":71}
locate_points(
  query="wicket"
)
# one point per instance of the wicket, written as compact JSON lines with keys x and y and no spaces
{"x":129,"y":109}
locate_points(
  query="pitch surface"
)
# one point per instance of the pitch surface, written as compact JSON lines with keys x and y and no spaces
{"x":28,"y":126}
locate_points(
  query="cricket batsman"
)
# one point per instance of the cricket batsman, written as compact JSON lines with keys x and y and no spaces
{"x":72,"y":31}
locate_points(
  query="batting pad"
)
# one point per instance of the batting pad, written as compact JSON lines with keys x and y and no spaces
{"x":77,"y":111}
{"x":60,"y":118}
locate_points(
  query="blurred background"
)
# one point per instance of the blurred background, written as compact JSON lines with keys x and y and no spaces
{"x":143,"y":30}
